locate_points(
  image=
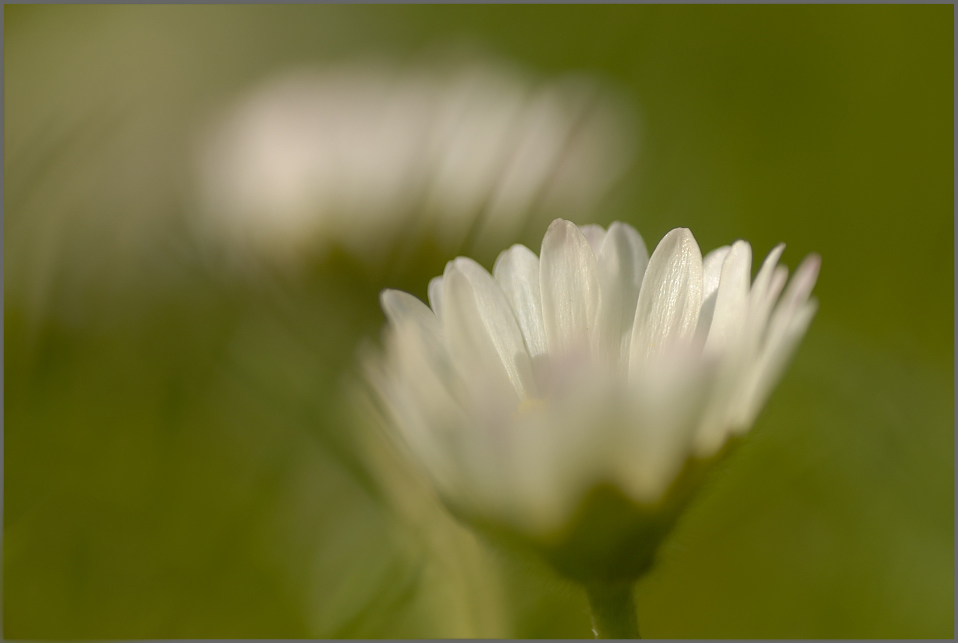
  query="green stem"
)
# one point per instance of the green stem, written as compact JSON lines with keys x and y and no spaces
{"x":613,"y":611}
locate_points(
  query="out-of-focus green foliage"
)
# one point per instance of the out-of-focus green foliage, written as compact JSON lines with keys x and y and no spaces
{"x":182,"y":455}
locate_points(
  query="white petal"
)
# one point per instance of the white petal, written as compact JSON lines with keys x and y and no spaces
{"x":781,"y":344}
{"x":435,"y":295}
{"x":569,"y":286}
{"x":418,"y":382}
{"x":417,"y":388}
{"x":764,"y":275}
{"x":712,"y":270}
{"x":481,"y":330}
{"x":517,"y":273}
{"x":412,"y":323}
{"x":621,"y":263}
{"x":401,"y":307}
{"x":725,"y":331}
{"x":782,"y":331}
{"x":766,"y":287}
{"x":761,"y":301}
{"x":780,"y":349}
{"x":671,"y":297}
{"x":786,"y":327}
{"x":595,"y":235}
{"x":775,"y":285}
{"x":711,"y":274}
{"x":760,"y":306}
{"x":474,"y":132}
{"x":731,"y":303}
{"x":543,"y":126}
{"x":666,"y":402}
{"x":800,"y":288}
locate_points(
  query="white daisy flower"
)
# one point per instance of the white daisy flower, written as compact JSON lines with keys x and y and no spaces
{"x":581,"y":392}
{"x":369,"y":156}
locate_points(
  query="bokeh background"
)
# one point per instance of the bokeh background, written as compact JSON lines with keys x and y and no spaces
{"x":181,"y":451}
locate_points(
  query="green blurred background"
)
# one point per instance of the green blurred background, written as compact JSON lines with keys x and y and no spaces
{"x":179,"y":447}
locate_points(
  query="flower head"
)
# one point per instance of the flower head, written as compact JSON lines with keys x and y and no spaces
{"x":591,"y":375}
{"x":361,"y":154}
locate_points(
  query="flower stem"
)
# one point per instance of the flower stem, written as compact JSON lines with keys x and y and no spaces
{"x":613,"y":611}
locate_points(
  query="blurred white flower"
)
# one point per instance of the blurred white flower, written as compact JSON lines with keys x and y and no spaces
{"x":368,"y":155}
{"x":590,"y":365}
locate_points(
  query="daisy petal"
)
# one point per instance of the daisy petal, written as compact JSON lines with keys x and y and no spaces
{"x":421,"y":402}
{"x":711,"y":273}
{"x":766,"y":287}
{"x":782,"y":341}
{"x":481,"y":327}
{"x":595,"y":235}
{"x":731,"y":302}
{"x":782,"y":331}
{"x":435,"y":295}
{"x":542,"y":128}
{"x":517,"y":273}
{"x":764,"y":275}
{"x":712,"y":270}
{"x":801,"y":285}
{"x":421,"y":365}
{"x":670,"y":299}
{"x":666,"y":402}
{"x":622,"y":261}
{"x":401,"y":307}
{"x":569,"y":286}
